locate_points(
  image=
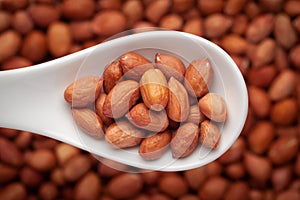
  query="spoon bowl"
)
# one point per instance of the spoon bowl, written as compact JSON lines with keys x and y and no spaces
{"x":32,"y":98}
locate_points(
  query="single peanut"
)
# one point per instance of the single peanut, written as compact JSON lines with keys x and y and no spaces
{"x":209,"y":134}
{"x":111,"y":75}
{"x":145,"y":118}
{"x":198,"y":77}
{"x":153,"y":146}
{"x":121,"y":98}
{"x":154,"y":89}
{"x":134,"y":65}
{"x":123,"y":135}
{"x":10,"y":42}
{"x":83,"y":91}
{"x":214,"y":107}
{"x":185,"y":140}
{"x":178,"y":104}
{"x":125,"y":186}
{"x":170,"y":66}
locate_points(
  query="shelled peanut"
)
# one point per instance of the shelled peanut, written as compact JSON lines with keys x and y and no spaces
{"x":140,"y":97}
{"x":253,"y":21}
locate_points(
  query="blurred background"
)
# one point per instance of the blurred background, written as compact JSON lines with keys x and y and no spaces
{"x":262,"y":36}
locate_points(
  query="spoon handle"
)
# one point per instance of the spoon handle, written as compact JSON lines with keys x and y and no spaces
{"x":32,"y":98}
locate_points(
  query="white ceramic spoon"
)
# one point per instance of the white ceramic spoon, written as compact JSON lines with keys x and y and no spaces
{"x":32,"y":98}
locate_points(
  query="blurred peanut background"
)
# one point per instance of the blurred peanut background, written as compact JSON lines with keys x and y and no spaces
{"x":262,"y":36}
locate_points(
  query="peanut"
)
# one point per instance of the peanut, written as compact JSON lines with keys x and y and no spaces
{"x":34,"y":46}
{"x":173,"y":185}
{"x":185,"y":140}
{"x":125,"y":186}
{"x":88,"y":187}
{"x":89,"y":122}
{"x":214,"y":188}
{"x":198,"y":77}
{"x":109,"y":23}
{"x":153,"y":146}
{"x":123,"y":135}
{"x":79,"y":10}
{"x":10,"y":43}
{"x":43,"y":15}
{"x":59,"y":39}
{"x":170,"y":66}
{"x":178,"y":104}
{"x":42,"y":160}
{"x":214,"y":107}
{"x":143,"y":117}
{"x":154,"y":89}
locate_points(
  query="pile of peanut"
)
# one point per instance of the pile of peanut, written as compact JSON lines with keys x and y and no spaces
{"x":262,"y":36}
{"x":141,"y":99}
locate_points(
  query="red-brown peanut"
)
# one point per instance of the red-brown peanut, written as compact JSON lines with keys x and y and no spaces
{"x":268,"y":5}
{"x":125,"y":186}
{"x":261,"y":136}
{"x":109,"y":4}
{"x":235,"y":170}
{"x":22,"y":22}
{"x":284,"y":149}
{"x":210,"y":6}
{"x":195,"y":178}
{"x":108,"y":23}
{"x":65,"y":152}
{"x":194,"y":26}
{"x":261,"y":174}
{"x":5,"y":20}
{"x":34,"y":46}
{"x":14,"y":5}
{"x":78,"y":10}
{"x":13,"y":191}
{"x":214,"y":188}
{"x":259,"y":101}
{"x":234,"y":153}
{"x":283,"y":85}
{"x":240,"y":24}
{"x":76,"y":167}
{"x":59,"y":39}
{"x":156,"y":9}
{"x":48,"y":191}
{"x":173,"y":185}
{"x":260,"y":28}
{"x":233,"y":7}
{"x":10,"y":154}
{"x":264,"y":53}
{"x":182,"y":5}
{"x":43,"y":15}
{"x":284,"y":32}
{"x":89,"y":187}
{"x":7,"y":173}
{"x":81,"y":30}
{"x":31,"y":177}
{"x":42,"y":160}
{"x":234,"y":43}
{"x":293,"y":56}
{"x":236,"y":191}
{"x":214,"y":169}
{"x":10,"y":43}
{"x":151,"y":178}
{"x":216,"y":25}
{"x":291,"y":7}
{"x":284,"y":112}
{"x":133,"y":10}
{"x":171,"y":22}
{"x":262,"y":77}
{"x":281,"y":177}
